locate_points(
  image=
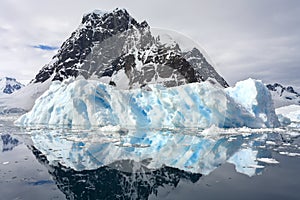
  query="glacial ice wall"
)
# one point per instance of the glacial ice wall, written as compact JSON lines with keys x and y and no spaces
{"x":88,"y":103}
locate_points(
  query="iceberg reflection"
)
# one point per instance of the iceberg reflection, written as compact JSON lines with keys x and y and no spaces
{"x":110,"y":183}
{"x":7,"y":142}
{"x":151,"y":149}
{"x":135,"y":164}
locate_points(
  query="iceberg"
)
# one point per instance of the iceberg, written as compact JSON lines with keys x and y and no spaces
{"x":256,"y":98}
{"x":90,"y":103}
{"x":245,"y":161}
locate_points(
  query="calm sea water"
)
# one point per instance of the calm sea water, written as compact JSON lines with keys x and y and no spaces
{"x":160,"y":164}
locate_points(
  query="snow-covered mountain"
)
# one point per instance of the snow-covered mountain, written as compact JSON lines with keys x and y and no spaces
{"x":115,"y":48}
{"x":9,"y":85}
{"x":283,"y":96}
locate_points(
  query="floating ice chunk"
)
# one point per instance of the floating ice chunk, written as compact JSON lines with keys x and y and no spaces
{"x":292,"y":154}
{"x":270,"y":143}
{"x":268,"y":160}
{"x":244,"y":161}
{"x":110,"y":128}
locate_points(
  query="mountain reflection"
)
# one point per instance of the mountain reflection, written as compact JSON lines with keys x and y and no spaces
{"x":135,"y":164}
{"x":110,"y":183}
{"x":8,"y":142}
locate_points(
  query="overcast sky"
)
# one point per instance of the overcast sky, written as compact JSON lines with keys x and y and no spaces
{"x":243,"y":38}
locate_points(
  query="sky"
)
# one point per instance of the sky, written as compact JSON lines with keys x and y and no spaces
{"x":243,"y":38}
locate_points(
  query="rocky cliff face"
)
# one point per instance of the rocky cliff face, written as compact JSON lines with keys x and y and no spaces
{"x":116,"y":49}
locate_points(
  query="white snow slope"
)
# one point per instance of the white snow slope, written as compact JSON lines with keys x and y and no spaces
{"x":89,"y":103}
{"x":292,"y":112}
{"x":23,"y":99}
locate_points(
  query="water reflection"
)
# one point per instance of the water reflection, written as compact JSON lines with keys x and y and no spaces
{"x":191,"y":153}
{"x":8,"y":142}
{"x":111,"y":183}
{"x":135,"y":164}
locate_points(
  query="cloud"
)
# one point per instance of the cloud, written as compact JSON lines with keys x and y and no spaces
{"x":258,"y":38}
{"x":45,"y":47}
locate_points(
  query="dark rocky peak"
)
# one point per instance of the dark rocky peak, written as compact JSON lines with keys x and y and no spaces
{"x":118,"y":20}
{"x":97,"y":29}
{"x":193,"y":53}
{"x":283,"y":96}
{"x":276,"y":87}
{"x":270,"y":87}
{"x":291,"y":89}
{"x":114,"y":48}
{"x":144,"y":24}
{"x":203,"y":69}
{"x":157,"y":64}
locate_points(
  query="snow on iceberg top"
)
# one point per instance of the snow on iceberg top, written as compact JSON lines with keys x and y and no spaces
{"x":87,"y":104}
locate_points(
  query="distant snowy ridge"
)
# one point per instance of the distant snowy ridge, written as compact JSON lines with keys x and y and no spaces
{"x":9,"y":85}
{"x":88,"y":103}
{"x":283,"y":96}
{"x":22,"y":100}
